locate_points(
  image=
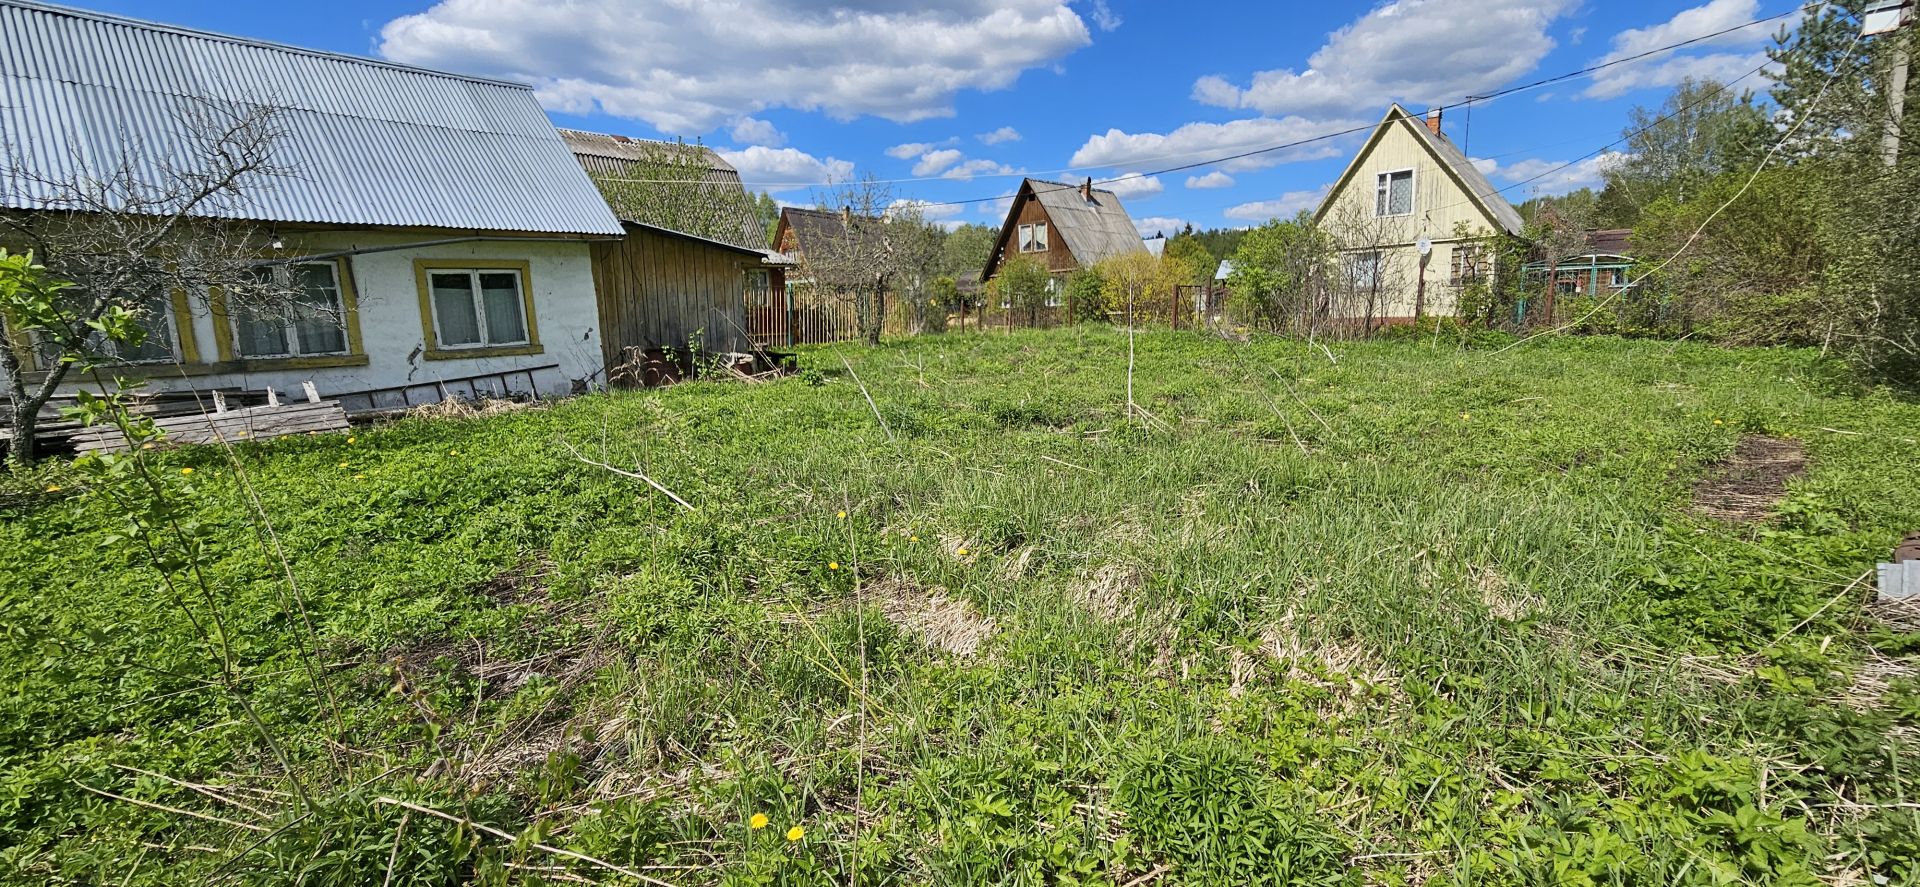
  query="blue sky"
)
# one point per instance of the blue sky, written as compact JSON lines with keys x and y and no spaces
{"x":960,"y":98}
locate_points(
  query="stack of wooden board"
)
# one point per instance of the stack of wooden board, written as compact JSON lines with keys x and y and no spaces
{"x":246,"y":423}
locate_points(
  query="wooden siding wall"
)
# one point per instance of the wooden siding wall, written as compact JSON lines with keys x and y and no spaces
{"x":656,"y":291}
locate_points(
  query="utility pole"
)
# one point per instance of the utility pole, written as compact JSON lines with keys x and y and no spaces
{"x":1890,"y":17}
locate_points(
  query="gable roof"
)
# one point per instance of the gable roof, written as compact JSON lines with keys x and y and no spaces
{"x":369,"y":142}
{"x":817,"y":230}
{"x":719,"y":208}
{"x":1094,"y":230}
{"x":1450,"y":159}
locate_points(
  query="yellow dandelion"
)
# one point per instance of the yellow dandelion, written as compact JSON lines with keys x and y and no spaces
{"x":913,"y":538}
{"x":343,"y":464}
{"x":842,"y":515}
{"x":833,"y":565}
{"x":1718,"y":422}
{"x":352,"y":439}
{"x":1466,"y":417}
{"x":796,"y":833}
{"x":186,"y":471}
{"x":53,"y":489}
{"x":758,"y":822}
{"x":453,"y":452}
{"x":962,"y":552}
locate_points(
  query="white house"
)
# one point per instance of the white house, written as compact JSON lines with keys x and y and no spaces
{"x":1411,"y":184}
{"x":435,"y":226}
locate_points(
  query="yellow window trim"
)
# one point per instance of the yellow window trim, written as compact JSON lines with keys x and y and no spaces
{"x":226,"y":344}
{"x":433,"y":351}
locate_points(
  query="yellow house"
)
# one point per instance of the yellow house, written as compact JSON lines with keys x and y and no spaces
{"x":1411,"y":215}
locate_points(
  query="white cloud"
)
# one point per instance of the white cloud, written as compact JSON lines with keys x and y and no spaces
{"x":1104,"y":17}
{"x":1133,"y":187}
{"x":753,"y":131}
{"x":933,"y":163}
{"x":928,"y":211}
{"x":998,"y":136}
{"x":1548,"y":177}
{"x":1667,"y":70}
{"x":909,"y":150}
{"x":1286,"y":206}
{"x":1419,"y":51}
{"x":1152,"y":225}
{"x":1215,"y":179}
{"x":1122,"y":150}
{"x":966,"y":171}
{"x":687,"y":67}
{"x":785,"y":169}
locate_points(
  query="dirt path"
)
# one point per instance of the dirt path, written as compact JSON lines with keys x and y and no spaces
{"x":1746,"y":486}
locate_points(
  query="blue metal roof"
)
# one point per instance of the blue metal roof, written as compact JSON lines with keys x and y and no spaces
{"x":369,"y":142}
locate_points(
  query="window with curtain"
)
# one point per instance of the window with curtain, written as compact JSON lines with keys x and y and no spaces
{"x":304,"y":317}
{"x":1033,"y":238}
{"x":477,"y":308}
{"x":1393,"y":195}
{"x":154,"y":316}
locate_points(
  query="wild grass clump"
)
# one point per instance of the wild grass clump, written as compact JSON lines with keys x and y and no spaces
{"x":1399,"y":612}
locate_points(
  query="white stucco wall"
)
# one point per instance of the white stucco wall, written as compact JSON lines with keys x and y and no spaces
{"x":565,"y":314}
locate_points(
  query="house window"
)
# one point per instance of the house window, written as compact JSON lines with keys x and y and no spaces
{"x":1567,"y":286}
{"x":153,"y":315}
{"x":1364,"y":270}
{"x":1033,"y":238}
{"x":1054,"y":290}
{"x":477,"y":307}
{"x":1393,"y":193}
{"x":1617,"y":278}
{"x":306,"y":318}
{"x":1469,"y":265}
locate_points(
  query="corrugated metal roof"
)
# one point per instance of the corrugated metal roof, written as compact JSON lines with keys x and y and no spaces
{"x":371,"y":143}
{"x":718,"y":208}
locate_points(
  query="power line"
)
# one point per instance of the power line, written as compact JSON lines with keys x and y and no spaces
{"x":1545,"y":81}
{"x":1214,"y":161}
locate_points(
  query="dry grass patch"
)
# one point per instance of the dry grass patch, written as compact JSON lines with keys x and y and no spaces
{"x":1501,"y":597}
{"x":940,"y":622}
{"x":1110,"y":593}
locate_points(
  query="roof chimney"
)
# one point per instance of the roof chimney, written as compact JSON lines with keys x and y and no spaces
{"x":1433,"y":120}
{"x":1086,"y":190}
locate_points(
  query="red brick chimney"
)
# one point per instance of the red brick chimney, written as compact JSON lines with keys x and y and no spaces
{"x":1086,"y":190}
{"x":1433,"y":120}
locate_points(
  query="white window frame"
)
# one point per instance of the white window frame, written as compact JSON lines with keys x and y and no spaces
{"x":479,"y":308}
{"x":1035,"y":234}
{"x":1055,"y":292}
{"x":1383,"y":193}
{"x":290,"y":332}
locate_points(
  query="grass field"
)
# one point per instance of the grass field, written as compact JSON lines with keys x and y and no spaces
{"x":1422,"y":615}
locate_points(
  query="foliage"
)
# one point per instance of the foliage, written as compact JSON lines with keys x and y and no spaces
{"x":1022,"y":284}
{"x":1199,"y":265}
{"x":1281,"y":277}
{"x":1702,"y":130}
{"x":965,"y":250}
{"x":1140,"y":286}
{"x":1411,"y":615}
{"x":1086,"y":296}
{"x":666,"y":184}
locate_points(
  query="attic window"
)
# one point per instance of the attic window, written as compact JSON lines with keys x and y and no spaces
{"x":1393,"y":194}
{"x":1033,"y":238}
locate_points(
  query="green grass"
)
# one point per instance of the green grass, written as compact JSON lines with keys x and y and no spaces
{"x":1422,"y":615}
